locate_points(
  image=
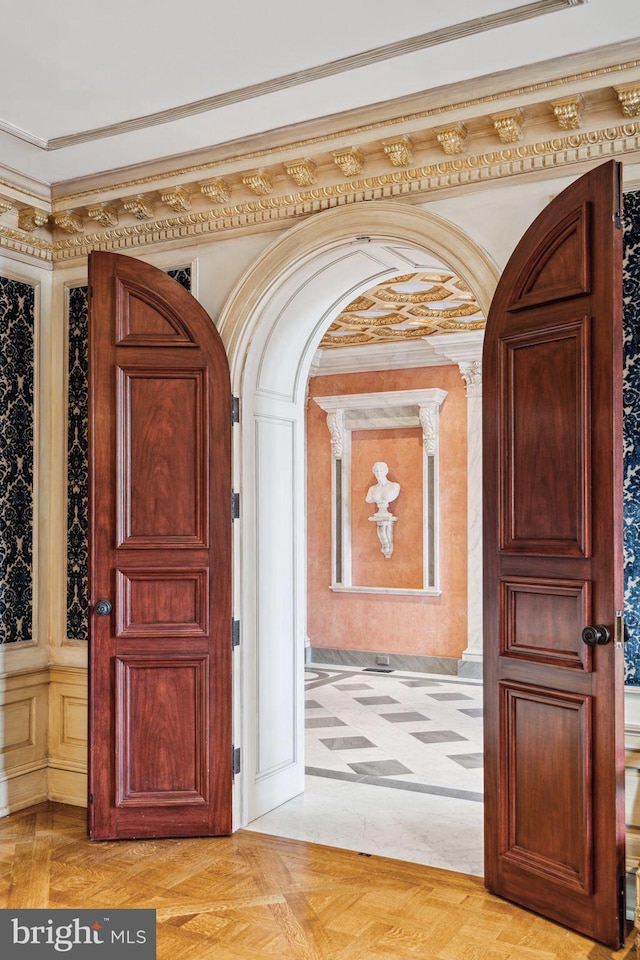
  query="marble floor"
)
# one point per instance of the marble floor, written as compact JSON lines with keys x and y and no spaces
{"x":394,"y":767}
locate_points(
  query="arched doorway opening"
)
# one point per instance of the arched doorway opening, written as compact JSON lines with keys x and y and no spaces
{"x":271,"y":325}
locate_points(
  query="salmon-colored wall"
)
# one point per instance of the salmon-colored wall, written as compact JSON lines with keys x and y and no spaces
{"x":423,"y":626}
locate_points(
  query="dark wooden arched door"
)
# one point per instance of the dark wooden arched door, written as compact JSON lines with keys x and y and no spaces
{"x":160,"y":556}
{"x":552,"y":372}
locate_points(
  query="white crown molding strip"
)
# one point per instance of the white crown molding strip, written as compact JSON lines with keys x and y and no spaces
{"x":388,"y":51}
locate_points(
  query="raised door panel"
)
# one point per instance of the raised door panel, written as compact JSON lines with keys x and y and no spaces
{"x":166,"y":603}
{"x":545,"y":398}
{"x":542,"y":621}
{"x":161,"y":731}
{"x":163,"y":470}
{"x":143,"y":321}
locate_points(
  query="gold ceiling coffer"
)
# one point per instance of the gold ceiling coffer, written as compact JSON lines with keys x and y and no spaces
{"x":260,"y":182}
{"x":302,"y":172}
{"x":350,"y":162}
{"x":68,"y":221}
{"x":399,"y":151}
{"x":5,"y":205}
{"x":177,"y":198}
{"x":104,"y":214}
{"x":217,"y":190}
{"x":629,"y":98}
{"x":508,"y":125}
{"x":568,"y":112}
{"x":141,"y":207}
{"x":452,"y":139}
{"x":31,"y":217}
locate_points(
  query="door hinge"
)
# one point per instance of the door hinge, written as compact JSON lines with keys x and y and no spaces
{"x":90,"y":798}
{"x":235,"y":409}
{"x":235,"y":634}
{"x":235,"y":506}
{"x":235,"y":761}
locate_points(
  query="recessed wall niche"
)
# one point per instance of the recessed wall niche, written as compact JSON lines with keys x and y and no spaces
{"x":399,"y":428}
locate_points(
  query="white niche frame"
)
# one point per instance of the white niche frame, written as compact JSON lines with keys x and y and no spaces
{"x":383,"y":411}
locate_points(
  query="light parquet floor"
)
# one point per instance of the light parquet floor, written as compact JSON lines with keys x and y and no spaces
{"x":256,"y":897}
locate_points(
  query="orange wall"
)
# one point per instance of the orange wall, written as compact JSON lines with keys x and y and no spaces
{"x":423,"y":626}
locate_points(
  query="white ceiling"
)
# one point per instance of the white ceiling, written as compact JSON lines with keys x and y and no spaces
{"x":69,"y":69}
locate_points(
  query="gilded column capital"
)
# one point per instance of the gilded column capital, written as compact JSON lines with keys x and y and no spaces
{"x":217,"y":190}
{"x":31,"y":217}
{"x":177,"y":198}
{"x":141,"y":207}
{"x":68,"y":221}
{"x":259,"y":181}
{"x":399,"y":150}
{"x":452,"y":139}
{"x":350,"y":162}
{"x":104,"y":214}
{"x":629,"y":98}
{"x":302,"y":172}
{"x":568,"y":112}
{"x":508,"y":125}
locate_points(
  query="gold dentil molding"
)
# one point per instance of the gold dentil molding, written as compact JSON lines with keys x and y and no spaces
{"x":350,"y":162}
{"x":568,"y":112}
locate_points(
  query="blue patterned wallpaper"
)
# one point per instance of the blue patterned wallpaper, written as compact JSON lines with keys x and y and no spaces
{"x":17,"y":315}
{"x":631,"y":399}
{"x":77,"y":466}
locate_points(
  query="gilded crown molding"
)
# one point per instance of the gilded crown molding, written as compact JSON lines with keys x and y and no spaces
{"x":177,"y":198}
{"x":629,"y":98}
{"x":30,"y":218}
{"x":568,"y":112}
{"x":5,"y":205}
{"x":217,"y":190}
{"x":259,"y":182}
{"x":302,"y":172}
{"x":140,"y":206}
{"x":68,"y":221}
{"x":537,"y":158}
{"x":452,"y":139}
{"x":350,"y":162}
{"x":399,"y":150}
{"x":508,"y":125}
{"x":104,"y":214}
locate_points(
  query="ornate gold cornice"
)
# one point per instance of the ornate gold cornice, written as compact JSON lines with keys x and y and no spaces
{"x":68,"y":221}
{"x":350,"y":162}
{"x":5,"y":205}
{"x":629,"y":98}
{"x":30,"y":218}
{"x":399,"y":151}
{"x":177,"y":198}
{"x":140,"y":206}
{"x":260,"y":182}
{"x":452,"y":139}
{"x":415,"y":182}
{"x":217,"y":190}
{"x":508,"y":125}
{"x":302,"y":172}
{"x":104,"y":214}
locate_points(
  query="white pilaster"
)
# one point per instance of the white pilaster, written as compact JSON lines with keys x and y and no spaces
{"x":465,"y":349}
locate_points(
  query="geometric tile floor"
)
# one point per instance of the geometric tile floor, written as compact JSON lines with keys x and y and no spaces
{"x":393,"y":766}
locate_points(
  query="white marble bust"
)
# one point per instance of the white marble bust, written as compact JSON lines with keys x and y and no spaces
{"x":384,"y":491}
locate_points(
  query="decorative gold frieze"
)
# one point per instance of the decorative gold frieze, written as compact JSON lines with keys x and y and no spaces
{"x":259,"y":182}
{"x":629,"y":98}
{"x":5,"y":205}
{"x":399,"y":150}
{"x":68,"y":221}
{"x":568,"y":112}
{"x":141,"y":207}
{"x":217,"y":190}
{"x":31,"y":218}
{"x":452,"y":139}
{"x":177,"y":198}
{"x":350,"y":162}
{"x":104,"y":214}
{"x":302,"y":172}
{"x":508,"y":125}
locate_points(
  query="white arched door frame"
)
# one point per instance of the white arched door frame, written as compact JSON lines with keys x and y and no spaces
{"x":271,"y":326}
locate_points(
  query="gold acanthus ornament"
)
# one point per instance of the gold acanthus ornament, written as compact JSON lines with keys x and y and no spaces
{"x":568,"y":112}
{"x":5,"y":205}
{"x":30,"y":218}
{"x":104,"y":214}
{"x":260,"y":182}
{"x":350,"y":162}
{"x":140,"y":206}
{"x":302,"y":172}
{"x":399,"y":151}
{"x":629,"y":98}
{"x":68,"y":221}
{"x":177,"y":198}
{"x":508,"y":125}
{"x":452,"y":139}
{"x":217,"y":190}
